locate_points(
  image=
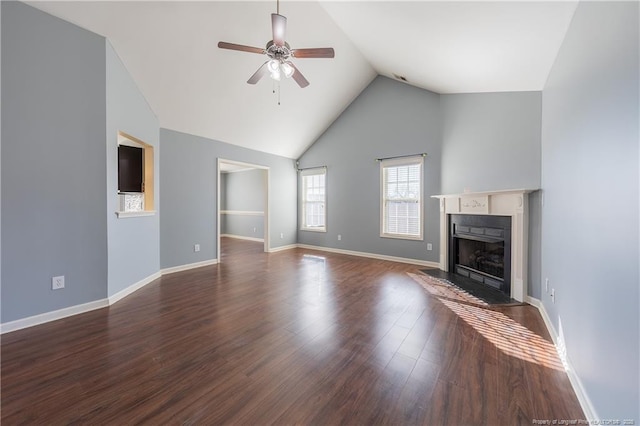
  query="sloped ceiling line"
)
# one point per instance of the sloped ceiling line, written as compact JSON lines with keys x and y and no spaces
{"x":446,"y":47}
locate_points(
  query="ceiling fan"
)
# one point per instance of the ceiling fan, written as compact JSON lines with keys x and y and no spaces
{"x":279,"y":53}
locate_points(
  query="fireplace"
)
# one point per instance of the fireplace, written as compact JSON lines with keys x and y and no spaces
{"x":512,"y":205}
{"x":480,"y":249}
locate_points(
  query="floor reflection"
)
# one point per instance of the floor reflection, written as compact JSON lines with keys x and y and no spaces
{"x":509,"y":336}
{"x":441,"y":289}
{"x":315,"y":294}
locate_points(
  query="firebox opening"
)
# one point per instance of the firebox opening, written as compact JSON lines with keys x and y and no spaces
{"x":480,"y":249}
{"x":480,"y":256}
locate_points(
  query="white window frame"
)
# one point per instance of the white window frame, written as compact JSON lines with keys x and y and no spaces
{"x":397,"y":162}
{"x":312,"y":172}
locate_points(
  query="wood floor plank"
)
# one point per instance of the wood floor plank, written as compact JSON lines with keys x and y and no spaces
{"x":295,"y":337}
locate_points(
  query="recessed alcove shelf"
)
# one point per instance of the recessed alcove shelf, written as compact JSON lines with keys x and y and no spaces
{"x":148,"y":179}
{"x":513,"y":203}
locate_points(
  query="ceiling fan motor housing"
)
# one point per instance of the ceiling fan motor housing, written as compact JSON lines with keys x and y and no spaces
{"x":279,"y":53}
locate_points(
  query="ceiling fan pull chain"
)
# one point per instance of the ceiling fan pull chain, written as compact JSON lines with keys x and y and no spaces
{"x":276,"y":89}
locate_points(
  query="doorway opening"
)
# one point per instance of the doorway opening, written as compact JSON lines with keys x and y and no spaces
{"x":243,"y":204}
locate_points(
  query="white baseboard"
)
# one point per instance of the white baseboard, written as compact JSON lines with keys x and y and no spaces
{"x":241,"y":237}
{"x":283,"y":248}
{"x":188,"y":266}
{"x":576,"y":383}
{"x":10,"y":326}
{"x":134,"y":287}
{"x":372,"y":255}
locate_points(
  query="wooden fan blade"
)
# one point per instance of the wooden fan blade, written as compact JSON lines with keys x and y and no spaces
{"x":320,"y":52}
{"x":258,"y":74}
{"x":279,"y":27}
{"x":298,"y":77}
{"x":240,"y":47}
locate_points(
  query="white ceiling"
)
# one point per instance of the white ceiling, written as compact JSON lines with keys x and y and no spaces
{"x":458,"y":47}
{"x":170,"y":49}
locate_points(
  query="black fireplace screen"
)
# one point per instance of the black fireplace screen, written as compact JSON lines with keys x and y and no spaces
{"x":480,"y":249}
{"x":482,"y":256}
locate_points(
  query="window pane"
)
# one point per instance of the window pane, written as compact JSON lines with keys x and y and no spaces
{"x":313,"y":194}
{"x":401,"y":192}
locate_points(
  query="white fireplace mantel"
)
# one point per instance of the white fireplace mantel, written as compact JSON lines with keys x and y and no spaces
{"x":514,"y":203}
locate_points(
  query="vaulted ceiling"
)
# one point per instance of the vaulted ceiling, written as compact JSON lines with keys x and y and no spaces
{"x":170,"y":49}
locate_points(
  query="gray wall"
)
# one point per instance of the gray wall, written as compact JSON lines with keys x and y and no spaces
{"x":590,"y":214}
{"x":0,"y":164}
{"x":242,"y":225}
{"x":499,"y":130}
{"x":134,"y":243}
{"x":243,"y":191}
{"x":534,"y":277}
{"x":189,"y":194}
{"x":491,"y":141}
{"x":387,"y":119}
{"x":53,"y":163}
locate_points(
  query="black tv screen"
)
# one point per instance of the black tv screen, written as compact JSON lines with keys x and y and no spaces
{"x":129,"y":168}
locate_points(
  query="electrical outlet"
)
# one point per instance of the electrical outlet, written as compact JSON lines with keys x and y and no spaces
{"x":255,"y":229}
{"x":339,"y":237}
{"x":546,"y":285}
{"x":57,"y":282}
{"x":429,"y":246}
{"x":196,"y":248}
{"x":281,"y":235}
{"x":553,"y":295}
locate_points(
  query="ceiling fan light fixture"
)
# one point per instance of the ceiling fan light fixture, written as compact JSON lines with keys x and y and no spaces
{"x":287,"y":69}
{"x":275,"y":75}
{"x":273,"y":65}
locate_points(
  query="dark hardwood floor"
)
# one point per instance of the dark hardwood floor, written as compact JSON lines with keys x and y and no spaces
{"x":296,"y":337}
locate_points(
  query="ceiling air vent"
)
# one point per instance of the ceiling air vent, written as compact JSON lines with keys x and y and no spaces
{"x":400,"y":77}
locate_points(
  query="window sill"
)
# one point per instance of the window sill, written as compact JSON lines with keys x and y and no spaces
{"x":314,"y":229}
{"x":124,"y":215}
{"x":402,"y":237}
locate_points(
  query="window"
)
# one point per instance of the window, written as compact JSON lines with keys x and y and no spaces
{"x":401,"y":198}
{"x":313,"y":200}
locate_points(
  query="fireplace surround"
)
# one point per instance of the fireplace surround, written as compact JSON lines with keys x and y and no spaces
{"x":510,"y":204}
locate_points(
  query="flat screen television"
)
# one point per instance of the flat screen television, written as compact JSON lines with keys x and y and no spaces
{"x":130,"y":160}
